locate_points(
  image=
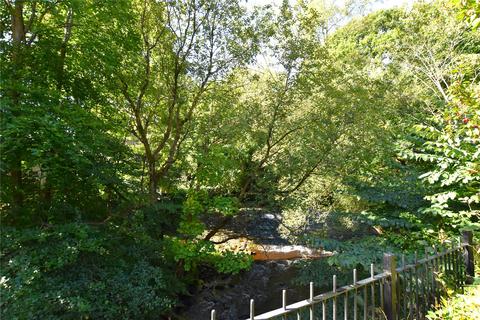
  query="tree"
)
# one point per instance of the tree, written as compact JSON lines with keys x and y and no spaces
{"x":316,"y":120}
{"x":183,"y":48}
{"x":451,"y":139}
{"x":59,"y":146}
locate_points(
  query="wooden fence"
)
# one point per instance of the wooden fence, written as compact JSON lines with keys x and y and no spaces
{"x":404,"y":292}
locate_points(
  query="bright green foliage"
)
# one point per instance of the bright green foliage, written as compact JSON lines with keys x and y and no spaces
{"x":193,"y":253}
{"x":469,"y":11}
{"x":452,"y":146}
{"x":461,"y":307}
{"x":450,"y":142}
{"x":61,"y":156}
{"x":430,"y":62}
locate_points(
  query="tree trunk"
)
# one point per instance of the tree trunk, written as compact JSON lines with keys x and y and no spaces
{"x":18,"y":39}
{"x":67,"y":33}
{"x":152,"y":180}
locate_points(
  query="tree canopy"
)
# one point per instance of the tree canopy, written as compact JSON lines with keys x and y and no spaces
{"x":134,"y":131}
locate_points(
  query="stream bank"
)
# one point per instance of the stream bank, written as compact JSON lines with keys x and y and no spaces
{"x":273,"y":270}
{"x":230,"y":295}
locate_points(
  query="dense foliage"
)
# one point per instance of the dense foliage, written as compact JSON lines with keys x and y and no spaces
{"x":134,"y":132}
{"x":463,"y":306}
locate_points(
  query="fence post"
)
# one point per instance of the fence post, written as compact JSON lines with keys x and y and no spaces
{"x":468,"y":256}
{"x":390,"y":287}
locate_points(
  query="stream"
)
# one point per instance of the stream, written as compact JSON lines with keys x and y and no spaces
{"x":230,"y":296}
{"x":273,"y":270}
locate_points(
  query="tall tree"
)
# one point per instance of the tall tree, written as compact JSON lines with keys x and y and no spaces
{"x":58,"y":143}
{"x":184,"y":47}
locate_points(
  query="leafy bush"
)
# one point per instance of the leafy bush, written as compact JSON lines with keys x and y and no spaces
{"x":460,"y":307}
{"x":464,"y":306}
{"x":77,"y":271}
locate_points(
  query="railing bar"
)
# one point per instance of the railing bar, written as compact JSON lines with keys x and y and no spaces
{"x":355,"y":298}
{"x":421,"y":290}
{"x":434,"y":278}
{"x":398,"y":288}
{"x":334,"y":308}
{"x":355,"y":294}
{"x":439,"y":271}
{"x":381,"y":294}
{"x":462,"y":270}
{"x":324,"y":310}
{"x":428,"y":279}
{"x":311,"y":301}
{"x":372,"y":288}
{"x":410,"y":295}
{"x":365,"y":303}
{"x":345,"y":306}
{"x":447,"y":266}
{"x":460,"y":264}
{"x":334,"y":300}
{"x":450,"y":262}
{"x":459,"y":270}
{"x":405,"y":294}
{"x":252,"y":309}
{"x":417,"y":302}
{"x":454,"y":269}
{"x":443,"y":272}
{"x":432,"y":284}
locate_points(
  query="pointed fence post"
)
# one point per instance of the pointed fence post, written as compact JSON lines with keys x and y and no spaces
{"x":390,"y":287}
{"x":468,"y":256}
{"x":252,"y":309}
{"x":311,"y":301}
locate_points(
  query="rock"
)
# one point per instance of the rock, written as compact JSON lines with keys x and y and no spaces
{"x":264,"y":281}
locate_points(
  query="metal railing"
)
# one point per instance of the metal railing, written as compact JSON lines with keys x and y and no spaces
{"x":405,"y":292}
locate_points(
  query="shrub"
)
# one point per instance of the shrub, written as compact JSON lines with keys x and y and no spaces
{"x":75,"y":271}
{"x":460,"y":307}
